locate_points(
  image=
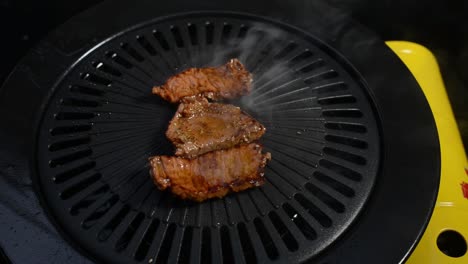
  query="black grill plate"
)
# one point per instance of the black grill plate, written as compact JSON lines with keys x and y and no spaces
{"x":102,"y":123}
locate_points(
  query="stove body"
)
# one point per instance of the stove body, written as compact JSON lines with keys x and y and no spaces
{"x":451,"y":206}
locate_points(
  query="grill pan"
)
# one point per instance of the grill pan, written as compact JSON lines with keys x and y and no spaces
{"x":102,"y":124}
{"x":330,"y":128}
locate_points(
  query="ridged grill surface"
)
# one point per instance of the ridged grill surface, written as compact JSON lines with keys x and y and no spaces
{"x":102,"y":123}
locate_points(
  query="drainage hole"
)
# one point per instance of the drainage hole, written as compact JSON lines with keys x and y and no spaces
{"x":451,"y":243}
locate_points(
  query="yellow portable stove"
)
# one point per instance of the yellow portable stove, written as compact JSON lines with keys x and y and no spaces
{"x":367,"y":162}
{"x":444,"y":240}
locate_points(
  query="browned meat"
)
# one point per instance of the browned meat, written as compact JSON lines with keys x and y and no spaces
{"x":213,"y":174}
{"x":227,"y":81}
{"x":199,"y":127}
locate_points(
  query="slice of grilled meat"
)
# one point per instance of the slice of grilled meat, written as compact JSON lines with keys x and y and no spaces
{"x":228,"y":81}
{"x":213,"y":174}
{"x":199,"y":127}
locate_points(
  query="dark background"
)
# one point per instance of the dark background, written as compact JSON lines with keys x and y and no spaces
{"x":441,"y":26}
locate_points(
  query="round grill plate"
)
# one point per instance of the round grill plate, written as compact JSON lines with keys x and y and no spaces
{"x":102,"y":123}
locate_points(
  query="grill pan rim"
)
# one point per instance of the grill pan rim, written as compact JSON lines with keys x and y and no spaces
{"x":437,"y":165}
